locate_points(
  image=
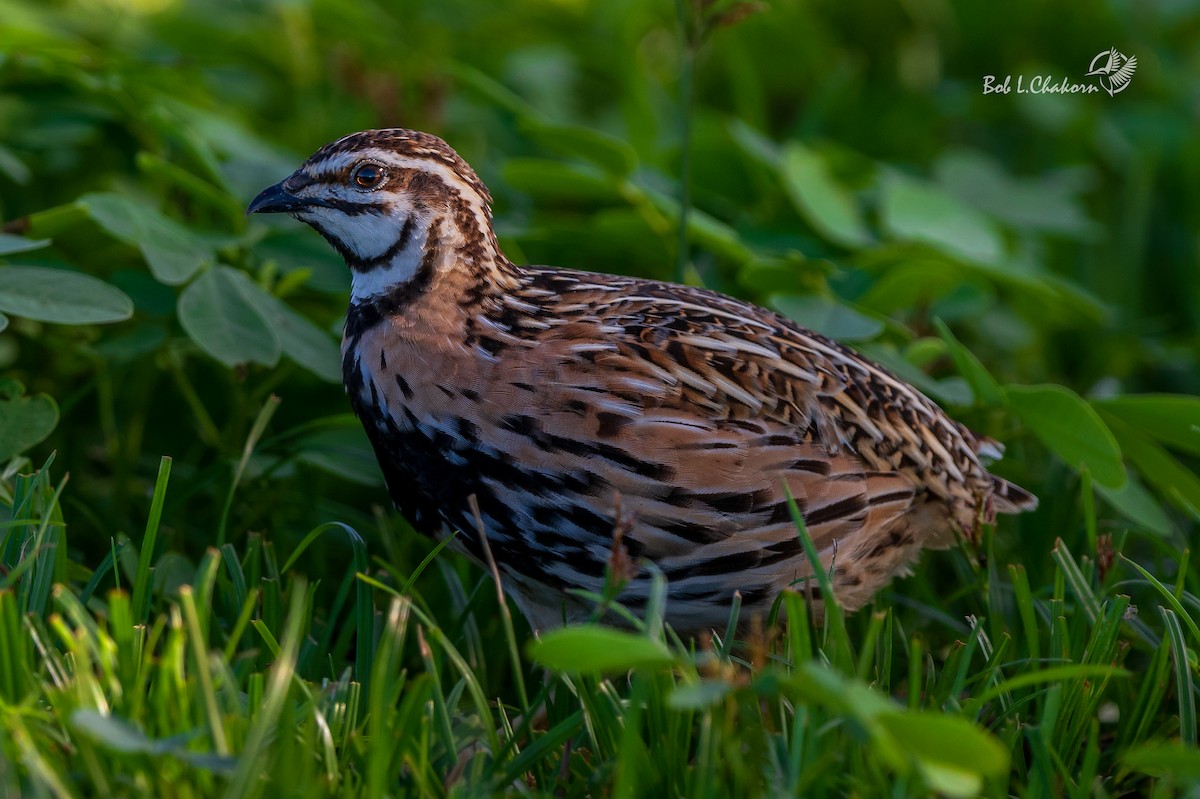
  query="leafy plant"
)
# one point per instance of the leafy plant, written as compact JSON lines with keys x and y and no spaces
{"x":1027,"y":261}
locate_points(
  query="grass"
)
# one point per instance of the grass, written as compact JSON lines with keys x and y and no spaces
{"x":792,"y":154}
{"x":247,"y":681}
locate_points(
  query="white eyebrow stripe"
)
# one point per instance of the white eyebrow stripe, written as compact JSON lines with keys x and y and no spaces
{"x":338,"y":162}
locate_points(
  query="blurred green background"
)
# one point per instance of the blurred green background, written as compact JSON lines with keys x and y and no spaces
{"x":845,"y":168}
{"x":1028,"y":260}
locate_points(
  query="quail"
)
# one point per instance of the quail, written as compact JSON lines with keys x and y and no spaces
{"x":566,"y":402}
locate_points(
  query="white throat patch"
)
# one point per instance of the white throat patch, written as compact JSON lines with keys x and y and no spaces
{"x":385,"y":277}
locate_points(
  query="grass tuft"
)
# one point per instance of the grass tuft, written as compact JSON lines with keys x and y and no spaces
{"x":164,"y":688}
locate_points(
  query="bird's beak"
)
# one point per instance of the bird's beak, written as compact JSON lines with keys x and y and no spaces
{"x":276,"y":200}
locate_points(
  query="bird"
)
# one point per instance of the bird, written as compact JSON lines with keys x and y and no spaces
{"x":558,"y":413}
{"x":1115,"y":72}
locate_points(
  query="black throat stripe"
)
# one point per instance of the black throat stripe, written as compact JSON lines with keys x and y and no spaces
{"x":385,"y":257}
{"x":364,"y":315}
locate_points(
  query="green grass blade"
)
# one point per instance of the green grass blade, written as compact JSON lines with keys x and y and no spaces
{"x":143,"y":582}
{"x":1185,"y":690}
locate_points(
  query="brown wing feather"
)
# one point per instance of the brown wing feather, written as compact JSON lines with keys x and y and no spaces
{"x":694,"y":409}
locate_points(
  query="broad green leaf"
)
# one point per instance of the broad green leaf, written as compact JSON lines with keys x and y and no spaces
{"x":820,"y":685}
{"x":61,"y":296}
{"x":824,"y":204}
{"x":10,"y":244}
{"x":590,"y":649}
{"x":1173,"y":419}
{"x":341,"y":449}
{"x":969,"y":299}
{"x":172,"y":252}
{"x":24,"y":421}
{"x":914,"y":281}
{"x":915,"y":211}
{"x":301,"y":340}
{"x":1044,"y":203}
{"x":987,"y":390}
{"x":1071,"y":428}
{"x":950,"y":781}
{"x":953,"y":754}
{"x":297,"y":249}
{"x":827,"y":316}
{"x":222,"y":320}
{"x":922,"y":352}
{"x":1162,"y":470}
{"x":1138,"y":505}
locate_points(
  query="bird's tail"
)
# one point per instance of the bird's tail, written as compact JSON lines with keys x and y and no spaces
{"x":1011,"y":498}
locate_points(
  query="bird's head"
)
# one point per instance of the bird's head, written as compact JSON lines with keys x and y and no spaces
{"x":397,"y":204}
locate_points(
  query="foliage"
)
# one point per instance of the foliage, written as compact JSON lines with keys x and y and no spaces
{"x":1029,"y":261}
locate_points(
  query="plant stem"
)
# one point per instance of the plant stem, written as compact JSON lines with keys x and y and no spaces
{"x":209,"y":433}
{"x":685,"y":136}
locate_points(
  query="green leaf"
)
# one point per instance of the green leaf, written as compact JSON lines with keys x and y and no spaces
{"x":301,"y":340}
{"x":114,"y":734}
{"x":827,"y":316}
{"x":760,"y":148}
{"x":699,"y":695}
{"x":1048,"y":203}
{"x":914,"y":280}
{"x":10,"y":164}
{"x":172,"y":252}
{"x":950,"y":391}
{"x":590,"y":649}
{"x":819,"y":684}
{"x":1138,"y":505}
{"x":3,"y":322}
{"x":1173,"y":419}
{"x":61,"y":296}
{"x":703,"y":229}
{"x":1159,"y":467}
{"x":1071,"y":428}
{"x":824,"y":204}
{"x":217,"y":314}
{"x":987,"y":390}
{"x":24,"y":421}
{"x":343,"y":450}
{"x":953,"y":754}
{"x":10,"y":244}
{"x":915,"y":211}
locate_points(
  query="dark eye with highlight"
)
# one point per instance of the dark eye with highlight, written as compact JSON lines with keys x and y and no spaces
{"x":367,"y":176}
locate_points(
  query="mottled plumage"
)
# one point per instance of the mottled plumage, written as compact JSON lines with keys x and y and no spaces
{"x":556,"y":396}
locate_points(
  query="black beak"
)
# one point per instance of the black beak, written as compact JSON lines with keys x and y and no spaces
{"x":276,"y":200}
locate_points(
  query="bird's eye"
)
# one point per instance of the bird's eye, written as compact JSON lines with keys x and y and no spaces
{"x":367,"y":176}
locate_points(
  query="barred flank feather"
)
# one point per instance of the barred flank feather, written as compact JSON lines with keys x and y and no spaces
{"x":552,"y":395}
